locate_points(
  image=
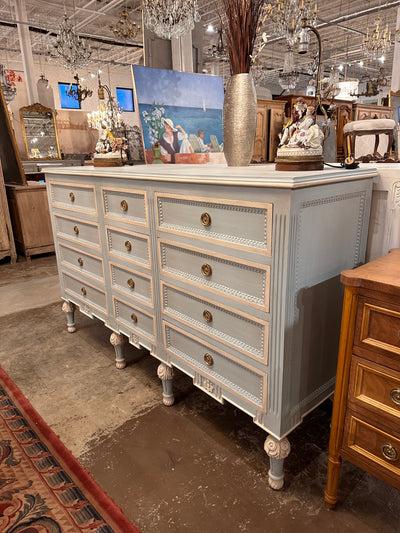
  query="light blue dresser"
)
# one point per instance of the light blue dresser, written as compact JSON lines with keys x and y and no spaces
{"x":229,"y":274}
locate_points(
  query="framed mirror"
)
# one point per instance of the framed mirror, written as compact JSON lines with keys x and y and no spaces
{"x":40,"y":132}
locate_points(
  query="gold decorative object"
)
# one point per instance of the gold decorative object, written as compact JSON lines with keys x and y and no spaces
{"x":124,"y":205}
{"x":206,"y":270}
{"x":80,"y":93}
{"x":287,"y":16}
{"x":208,"y":359}
{"x":377,"y":42}
{"x":389,"y":452}
{"x":108,"y":114}
{"x":80,"y":261}
{"x":76,"y":230}
{"x":128,"y":246}
{"x":83,"y":291}
{"x":207,"y":315}
{"x":40,"y":132}
{"x":131,"y":283}
{"x":205,"y":219}
{"x":134,"y":318}
{"x":395,"y":396}
{"x":72,"y":196}
{"x":125,"y":28}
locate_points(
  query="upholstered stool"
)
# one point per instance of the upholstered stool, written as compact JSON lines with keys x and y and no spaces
{"x":375,"y":127}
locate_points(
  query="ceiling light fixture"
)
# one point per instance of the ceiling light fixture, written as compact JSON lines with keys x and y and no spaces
{"x":288,"y":16}
{"x":108,"y":114}
{"x":125,"y":28}
{"x":79,"y":93}
{"x":377,"y":41}
{"x":70,"y":50}
{"x":170,"y":18}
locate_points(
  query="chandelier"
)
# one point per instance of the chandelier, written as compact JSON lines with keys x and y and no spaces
{"x":258,"y":72}
{"x":71,"y":51}
{"x":79,"y":93}
{"x":289,"y":16}
{"x":377,"y":42}
{"x":289,"y":77}
{"x":9,"y":90}
{"x":125,"y":28}
{"x":170,"y":18}
{"x":217,"y":51}
{"x":108,"y":114}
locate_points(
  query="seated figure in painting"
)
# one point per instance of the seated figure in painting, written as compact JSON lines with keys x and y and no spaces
{"x":169,"y":141}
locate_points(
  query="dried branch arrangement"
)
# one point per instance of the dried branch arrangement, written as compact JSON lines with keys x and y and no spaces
{"x":240,"y":24}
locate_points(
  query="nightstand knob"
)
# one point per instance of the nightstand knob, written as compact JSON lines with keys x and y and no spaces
{"x":131,"y":283}
{"x":208,"y":359}
{"x":395,"y":396}
{"x":128,"y":246}
{"x":206,"y":270}
{"x":124,"y":205}
{"x":134,"y":318}
{"x":76,"y":230}
{"x":80,"y":261}
{"x":72,"y":196}
{"x":83,"y":291}
{"x":389,"y":452}
{"x":205,"y":219}
{"x":207,"y":316}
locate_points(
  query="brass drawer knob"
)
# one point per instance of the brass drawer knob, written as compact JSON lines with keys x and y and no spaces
{"x":124,"y":205}
{"x":389,"y":452}
{"x":76,"y":230}
{"x":205,"y":219}
{"x":208,"y":359}
{"x":395,"y":396}
{"x":206,"y":270}
{"x":83,"y":291}
{"x":128,"y":246}
{"x":80,"y":261}
{"x":134,"y":318}
{"x":131,"y":283}
{"x":207,"y":316}
{"x":72,"y":196}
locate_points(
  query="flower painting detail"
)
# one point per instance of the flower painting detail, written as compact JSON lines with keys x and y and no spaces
{"x":180,"y":114}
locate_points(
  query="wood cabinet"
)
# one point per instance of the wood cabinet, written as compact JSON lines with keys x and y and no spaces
{"x":369,"y":111}
{"x":29,"y":211}
{"x":7,"y":245}
{"x":366,"y":413}
{"x":270,"y":119}
{"x":343,"y":115}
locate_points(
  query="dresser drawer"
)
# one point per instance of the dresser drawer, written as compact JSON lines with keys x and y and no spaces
{"x":378,"y":327}
{"x":375,"y":387}
{"x":126,"y":205}
{"x":224,"y":324}
{"x":84,"y":292}
{"x":82,"y":262}
{"x":372,"y":445}
{"x":78,"y":231}
{"x":127,"y":245}
{"x":244,"y":281}
{"x":75,"y":197}
{"x":131,"y":283}
{"x":232,"y":223}
{"x":241,"y":379}
{"x":135,"y":319}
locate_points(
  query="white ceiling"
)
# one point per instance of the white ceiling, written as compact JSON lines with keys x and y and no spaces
{"x":341,"y":24}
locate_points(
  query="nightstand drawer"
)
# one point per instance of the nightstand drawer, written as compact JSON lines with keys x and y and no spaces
{"x":232,"y":223}
{"x":75,"y":197}
{"x":372,"y":445}
{"x":239,"y":378}
{"x":378,"y":327}
{"x":132,"y":284}
{"x":375,"y":387}
{"x":135,"y":319}
{"x":82,"y":262}
{"x":243,"y":333}
{"x":77,"y":231}
{"x":84,"y":292}
{"x":126,"y":205}
{"x":248,"y":282}
{"x":131,"y":246}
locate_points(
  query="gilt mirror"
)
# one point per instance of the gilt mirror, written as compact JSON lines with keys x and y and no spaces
{"x":40,"y":132}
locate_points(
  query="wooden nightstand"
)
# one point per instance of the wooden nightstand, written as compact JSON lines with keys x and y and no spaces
{"x":366,"y":412}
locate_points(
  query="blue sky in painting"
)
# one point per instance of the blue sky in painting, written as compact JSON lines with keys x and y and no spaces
{"x":174,"y":88}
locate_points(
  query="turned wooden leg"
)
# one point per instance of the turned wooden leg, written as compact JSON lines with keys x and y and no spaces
{"x":376,"y":145}
{"x":69,"y":310}
{"x":118,"y":341}
{"x":166,"y":373}
{"x":277,"y":450}
{"x":334,"y":464}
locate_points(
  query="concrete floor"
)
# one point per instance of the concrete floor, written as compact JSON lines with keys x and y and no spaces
{"x":195,"y":467}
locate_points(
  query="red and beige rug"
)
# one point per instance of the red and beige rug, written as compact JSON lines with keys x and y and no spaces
{"x":43,"y":488}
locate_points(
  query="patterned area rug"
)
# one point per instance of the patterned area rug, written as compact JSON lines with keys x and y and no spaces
{"x":43,"y":488}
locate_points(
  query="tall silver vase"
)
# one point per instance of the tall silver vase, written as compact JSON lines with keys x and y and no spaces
{"x":239,"y":120}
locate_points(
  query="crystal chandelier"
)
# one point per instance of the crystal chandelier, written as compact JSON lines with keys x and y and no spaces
{"x":377,"y":42}
{"x":108,"y":114}
{"x":258,"y":72}
{"x":217,"y":51}
{"x":289,"y":16}
{"x":289,"y":77}
{"x":71,"y":51}
{"x":125,"y":28}
{"x":79,"y":93}
{"x":170,"y":18}
{"x":9,"y":90}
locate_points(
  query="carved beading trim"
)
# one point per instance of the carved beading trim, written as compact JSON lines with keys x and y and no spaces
{"x":132,"y":257}
{"x":277,"y":449}
{"x":68,"y":307}
{"x":396,"y":194}
{"x":165,"y":372}
{"x":108,"y":193}
{"x":116,"y":339}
